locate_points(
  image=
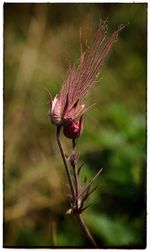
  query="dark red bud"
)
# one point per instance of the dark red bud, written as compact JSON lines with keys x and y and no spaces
{"x":73,"y":129}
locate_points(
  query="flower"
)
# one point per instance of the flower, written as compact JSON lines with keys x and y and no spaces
{"x":73,"y":129}
{"x":67,"y":109}
{"x":61,"y":113}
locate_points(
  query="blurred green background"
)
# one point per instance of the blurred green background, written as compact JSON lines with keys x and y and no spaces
{"x":39,"y":40}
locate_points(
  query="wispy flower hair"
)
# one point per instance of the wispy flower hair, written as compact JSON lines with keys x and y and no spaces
{"x":67,"y":109}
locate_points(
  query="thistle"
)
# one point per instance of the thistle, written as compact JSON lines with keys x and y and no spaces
{"x":67,"y":110}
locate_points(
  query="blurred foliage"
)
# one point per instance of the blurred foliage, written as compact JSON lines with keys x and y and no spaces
{"x":39,"y":41}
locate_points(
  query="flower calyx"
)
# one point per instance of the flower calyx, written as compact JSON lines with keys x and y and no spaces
{"x":55,"y":110}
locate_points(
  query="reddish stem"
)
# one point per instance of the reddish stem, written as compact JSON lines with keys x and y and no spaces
{"x":86,"y":230}
{"x":64,"y":161}
{"x":80,"y":220}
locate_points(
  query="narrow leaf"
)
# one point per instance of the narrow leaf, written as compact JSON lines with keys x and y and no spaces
{"x":92,"y":180}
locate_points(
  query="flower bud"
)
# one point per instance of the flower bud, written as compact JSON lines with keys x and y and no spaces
{"x":73,"y":129}
{"x":74,"y":158}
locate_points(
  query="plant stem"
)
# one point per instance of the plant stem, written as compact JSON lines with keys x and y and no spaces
{"x":64,"y":161}
{"x":75,"y":175}
{"x":80,"y":220}
{"x":76,"y":186}
{"x":86,"y":230}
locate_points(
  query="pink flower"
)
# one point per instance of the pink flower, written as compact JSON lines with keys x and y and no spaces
{"x":73,"y":129}
{"x":67,"y":108}
{"x":61,"y":113}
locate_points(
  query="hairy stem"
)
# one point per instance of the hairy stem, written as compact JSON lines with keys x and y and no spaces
{"x":76,"y":186}
{"x":86,"y":230}
{"x":80,"y":220}
{"x":64,"y":161}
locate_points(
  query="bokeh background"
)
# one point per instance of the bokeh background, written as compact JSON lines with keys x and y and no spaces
{"x":39,"y":41}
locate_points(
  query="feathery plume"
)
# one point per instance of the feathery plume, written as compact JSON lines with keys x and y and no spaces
{"x":67,"y":109}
